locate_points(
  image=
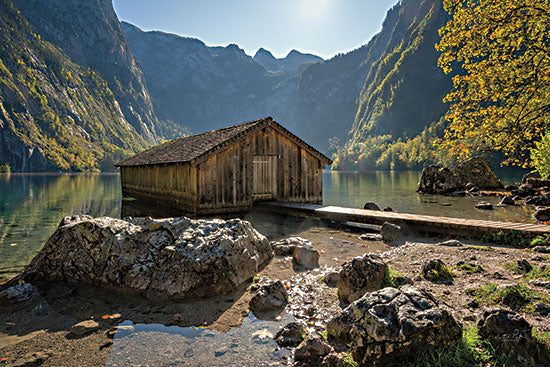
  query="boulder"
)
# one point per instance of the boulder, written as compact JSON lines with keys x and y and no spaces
{"x":539,"y":200}
{"x":312,"y":349}
{"x":388,"y":209}
{"x":390,"y":233}
{"x":391,"y":325}
{"x":271,"y":296}
{"x":306,"y":256}
{"x":542,"y":214}
{"x":537,"y":182}
{"x":528,"y":176}
{"x":285,"y":247}
{"x":510,"y":334}
{"x":435,"y":270}
{"x":524,"y":266}
{"x":17,"y":293}
{"x":510,"y":187}
{"x":371,"y":206}
{"x":474,"y":172}
{"x":507,"y":200}
{"x":84,"y":327}
{"x":360,"y":275}
{"x":542,"y":249}
{"x":290,"y":335}
{"x":173,"y":257}
{"x":484,"y":205}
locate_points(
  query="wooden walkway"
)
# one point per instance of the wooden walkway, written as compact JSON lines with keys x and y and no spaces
{"x":427,"y":223}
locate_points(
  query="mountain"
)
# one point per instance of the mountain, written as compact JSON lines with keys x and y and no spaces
{"x":72,"y":96}
{"x":294,"y":62}
{"x":400,"y":103}
{"x":208,"y":87}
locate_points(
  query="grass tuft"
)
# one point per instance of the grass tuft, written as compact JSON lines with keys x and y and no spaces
{"x":518,"y":297}
{"x":470,"y":351}
{"x":469,"y":268}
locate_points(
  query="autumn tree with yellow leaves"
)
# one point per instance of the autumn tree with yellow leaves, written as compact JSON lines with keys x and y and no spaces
{"x":500,"y":101}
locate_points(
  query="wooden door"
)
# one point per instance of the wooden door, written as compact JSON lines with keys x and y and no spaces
{"x":264,"y":177}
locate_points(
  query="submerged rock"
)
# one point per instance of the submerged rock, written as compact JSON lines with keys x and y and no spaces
{"x":371,"y":206}
{"x":391,"y":325}
{"x":484,"y":205}
{"x":474,"y":172}
{"x":17,"y":293}
{"x":360,"y":275}
{"x":174,"y":257}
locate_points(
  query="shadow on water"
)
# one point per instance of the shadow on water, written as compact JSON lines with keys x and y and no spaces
{"x":150,"y":331}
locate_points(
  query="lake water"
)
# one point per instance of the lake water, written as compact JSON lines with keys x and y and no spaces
{"x":31,"y":206}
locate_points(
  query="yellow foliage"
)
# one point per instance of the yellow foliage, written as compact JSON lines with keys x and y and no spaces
{"x":501,"y":99}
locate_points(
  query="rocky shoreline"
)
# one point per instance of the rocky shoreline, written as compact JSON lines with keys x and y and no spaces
{"x":340,"y":290}
{"x":474,"y":177}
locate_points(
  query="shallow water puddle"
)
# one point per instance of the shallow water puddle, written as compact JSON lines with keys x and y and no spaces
{"x":251,"y":344}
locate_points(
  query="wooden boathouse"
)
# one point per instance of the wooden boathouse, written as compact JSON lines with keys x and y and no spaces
{"x":227,"y":170}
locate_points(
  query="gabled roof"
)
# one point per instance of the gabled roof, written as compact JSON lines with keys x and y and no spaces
{"x":196,"y":148}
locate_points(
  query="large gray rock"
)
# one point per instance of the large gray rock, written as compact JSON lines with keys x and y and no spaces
{"x":174,"y":257}
{"x":474,"y":171}
{"x":510,"y":334}
{"x":390,"y":325}
{"x":360,"y":275}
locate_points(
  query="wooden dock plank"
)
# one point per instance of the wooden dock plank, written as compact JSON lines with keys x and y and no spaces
{"x":425,"y":222}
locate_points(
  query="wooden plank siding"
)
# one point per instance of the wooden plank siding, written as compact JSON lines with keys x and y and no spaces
{"x":173,"y":185}
{"x":226,"y":180}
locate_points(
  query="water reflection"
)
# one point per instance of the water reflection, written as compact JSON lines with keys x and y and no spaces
{"x":31,"y":207}
{"x":397,"y":189}
{"x":155,"y":344}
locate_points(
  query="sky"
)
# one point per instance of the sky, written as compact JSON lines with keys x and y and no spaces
{"x":321,"y":27}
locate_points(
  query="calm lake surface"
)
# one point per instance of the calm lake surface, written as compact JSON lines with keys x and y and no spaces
{"x":31,"y":206}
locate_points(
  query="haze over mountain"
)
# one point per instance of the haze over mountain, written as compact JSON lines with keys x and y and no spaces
{"x":391,"y":85}
{"x":79,"y":90}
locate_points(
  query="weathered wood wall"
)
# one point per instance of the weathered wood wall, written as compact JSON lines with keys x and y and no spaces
{"x":172,"y":184}
{"x":225,"y":181}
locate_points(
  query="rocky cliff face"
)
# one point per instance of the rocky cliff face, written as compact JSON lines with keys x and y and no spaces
{"x":390,"y":85}
{"x":89,"y":33}
{"x":207,"y":87}
{"x":72,"y":96}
